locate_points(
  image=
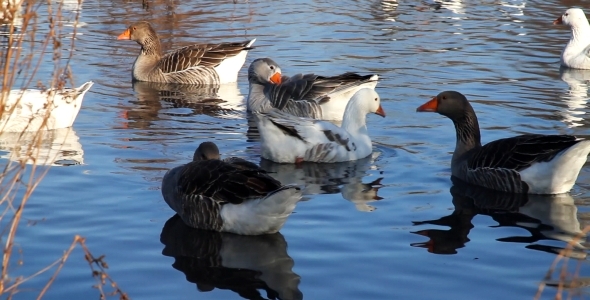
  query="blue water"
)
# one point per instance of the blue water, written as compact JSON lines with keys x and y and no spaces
{"x":418,"y":242}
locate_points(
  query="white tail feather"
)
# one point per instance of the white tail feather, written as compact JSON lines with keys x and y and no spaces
{"x":261,"y":216}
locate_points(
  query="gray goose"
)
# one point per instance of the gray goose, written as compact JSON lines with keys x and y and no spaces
{"x":230,"y":195}
{"x":195,"y":64}
{"x":530,"y":163}
{"x":309,"y":95}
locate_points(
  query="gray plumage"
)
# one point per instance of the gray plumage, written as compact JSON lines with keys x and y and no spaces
{"x":308,"y":95}
{"x":194,"y":64}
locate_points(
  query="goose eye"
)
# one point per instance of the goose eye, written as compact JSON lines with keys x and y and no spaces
{"x":272,"y":67}
{"x":375,"y":99}
{"x":444,"y":97}
{"x":565,"y":14}
{"x":134,"y":28}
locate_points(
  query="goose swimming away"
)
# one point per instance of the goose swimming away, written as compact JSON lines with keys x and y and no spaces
{"x":230,"y":195}
{"x":35,"y":109}
{"x":576,"y":54}
{"x":290,"y":139}
{"x":195,"y":64}
{"x":309,"y":95}
{"x":530,"y":163}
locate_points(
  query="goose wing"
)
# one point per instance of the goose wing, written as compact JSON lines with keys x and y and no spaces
{"x":224,"y":182}
{"x":520,"y":152}
{"x":200,"y":55}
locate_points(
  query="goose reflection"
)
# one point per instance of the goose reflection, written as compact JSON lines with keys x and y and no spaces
{"x":245,"y":265}
{"x":59,"y":147}
{"x":576,"y":97}
{"x":157,"y":99}
{"x":345,"y":178}
{"x":546,"y":217}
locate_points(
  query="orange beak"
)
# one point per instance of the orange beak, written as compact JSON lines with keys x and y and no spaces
{"x":380,"y":111}
{"x":126,"y":35}
{"x":430,"y":106}
{"x":558,"y":21}
{"x":276,"y":78}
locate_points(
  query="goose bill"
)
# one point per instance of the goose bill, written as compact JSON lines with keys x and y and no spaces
{"x":558,"y":21}
{"x":276,"y":78}
{"x":430,"y":106}
{"x":380,"y":111}
{"x":126,"y":35}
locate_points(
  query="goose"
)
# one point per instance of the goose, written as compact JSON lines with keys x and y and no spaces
{"x":308,"y":95}
{"x":530,"y":163}
{"x":291,"y":139}
{"x":231,"y":195}
{"x":35,"y":109}
{"x":195,"y":64}
{"x":576,"y":54}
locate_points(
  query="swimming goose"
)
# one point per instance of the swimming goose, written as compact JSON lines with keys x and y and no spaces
{"x":308,"y":95}
{"x":576,"y":53}
{"x":290,"y":139}
{"x":231,"y":195}
{"x":194,"y":64}
{"x":35,"y":109}
{"x":530,"y":163}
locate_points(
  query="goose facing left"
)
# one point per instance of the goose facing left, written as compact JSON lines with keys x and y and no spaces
{"x":229,"y":195}
{"x":194,"y":64}
{"x":35,"y":109}
{"x":529,"y":163}
{"x":576,"y":54}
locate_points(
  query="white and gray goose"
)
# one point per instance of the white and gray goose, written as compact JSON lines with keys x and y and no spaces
{"x":230,"y":195}
{"x":194,"y":64}
{"x":309,"y":95}
{"x":530,"y":163}
{"x":290,"y":139}
{"x":576,"y":53}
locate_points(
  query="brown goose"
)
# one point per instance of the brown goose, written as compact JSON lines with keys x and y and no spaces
{"x":309,"y":95}
{"x":530,"y":163}
{"x":230,"y":195}
{"x":194,"y":64}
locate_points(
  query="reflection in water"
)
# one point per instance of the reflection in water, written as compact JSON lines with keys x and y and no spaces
{"x":59,"y":147}
{"x":546,"y":217}
{"x":242,"y":264}
{"x":224,"y":101}
{"x":577,"y":95}
{"x":327,"y":178}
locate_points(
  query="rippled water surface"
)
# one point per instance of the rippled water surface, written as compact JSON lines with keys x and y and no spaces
{"x":421,"y":240}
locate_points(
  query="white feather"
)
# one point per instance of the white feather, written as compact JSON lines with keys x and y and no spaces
{"x":559,"y":174}
{"x":265,"y":215}
{"x":33,"y":110}
{"x":229,"y":68}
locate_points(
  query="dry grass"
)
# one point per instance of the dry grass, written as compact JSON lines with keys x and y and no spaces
{"x":32,"y":35}
{"x":566,"y":281}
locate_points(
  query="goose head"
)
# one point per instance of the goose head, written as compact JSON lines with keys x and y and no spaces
{"x":141,"y":32}
{"x":264,"y":70}
{"x":573,"y":17}
{"x":367,"y":101}
{"x":451,"y":104}
{"x":206,"y":151}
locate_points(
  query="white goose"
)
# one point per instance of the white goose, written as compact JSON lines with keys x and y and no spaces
{"x":529,"y":163}
{"x":33,"y":109}
{"x":230,"y":195}
{"x":576,"y":53}
{"x":309,"y":95}
{"x":289,"y":139}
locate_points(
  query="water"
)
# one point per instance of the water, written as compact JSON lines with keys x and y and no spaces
{"x":422,"y":240}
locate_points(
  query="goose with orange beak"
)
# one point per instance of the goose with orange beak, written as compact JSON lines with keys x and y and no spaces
{"x":529,"y":163}
{"x":309,"y":95}
{"x":576,"y":54}
{"x":289,"y":139}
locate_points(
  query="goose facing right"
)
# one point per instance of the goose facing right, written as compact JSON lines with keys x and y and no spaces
{"x":309,"y":95}
{"x":530,"y":163}
{"x":230,"y":195}
{"x":576,"y":54}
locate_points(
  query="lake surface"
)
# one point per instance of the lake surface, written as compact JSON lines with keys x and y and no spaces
{"x":422,"y":240}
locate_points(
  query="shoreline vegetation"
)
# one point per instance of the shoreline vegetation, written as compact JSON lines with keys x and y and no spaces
{"x":32,"y":33}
